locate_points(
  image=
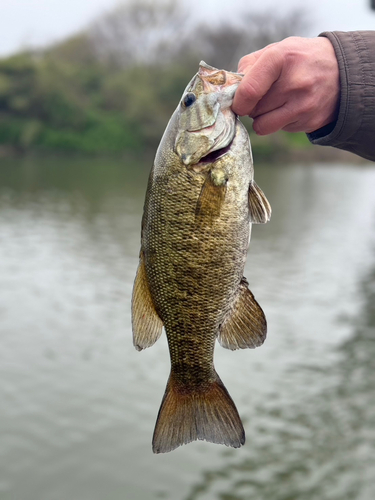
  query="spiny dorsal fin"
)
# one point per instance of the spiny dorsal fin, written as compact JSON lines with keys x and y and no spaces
{"x":260,"y":209}
{"x":147,"y":326}
{"x":211,"y":197}
{"x":246,"y":325}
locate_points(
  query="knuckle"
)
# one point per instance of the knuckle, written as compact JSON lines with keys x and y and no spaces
{"x":276,"y":55}
{"x":292,"y":45}
{"x":306,"y":81}
{"x":308,"y":107}
{"x":292,"y":40}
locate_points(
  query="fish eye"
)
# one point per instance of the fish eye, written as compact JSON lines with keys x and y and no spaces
{"x":189,"y":99}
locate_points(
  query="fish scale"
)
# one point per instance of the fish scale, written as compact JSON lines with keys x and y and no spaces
{"x":195,"y":235}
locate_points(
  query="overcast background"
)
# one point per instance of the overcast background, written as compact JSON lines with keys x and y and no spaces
{"x":34,"y":23}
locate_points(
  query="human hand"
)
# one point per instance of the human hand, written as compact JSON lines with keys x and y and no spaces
{"x":291,"y":85}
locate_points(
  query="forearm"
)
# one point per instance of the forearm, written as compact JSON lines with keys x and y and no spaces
{"x":354,"y":129}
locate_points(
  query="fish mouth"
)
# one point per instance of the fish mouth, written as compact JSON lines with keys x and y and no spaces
{"x":215,"y":155}
{"x":224,"y":140}
{"x":209,"y":158}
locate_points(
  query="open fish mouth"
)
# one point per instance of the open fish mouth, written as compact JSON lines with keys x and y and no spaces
{"x":205,"y":161}
{"x":197,"y":162}
{"x":215,"y":155}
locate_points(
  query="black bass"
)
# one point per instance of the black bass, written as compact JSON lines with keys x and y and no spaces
{"x":200,"y":203}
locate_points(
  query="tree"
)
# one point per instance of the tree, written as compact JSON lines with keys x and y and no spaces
{"x":224,"y":44}
{"x":139,"y":32}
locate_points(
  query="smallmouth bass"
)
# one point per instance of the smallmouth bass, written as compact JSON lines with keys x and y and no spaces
{"x":200,"y":203}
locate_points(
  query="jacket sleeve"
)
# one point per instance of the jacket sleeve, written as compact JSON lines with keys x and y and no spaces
{"x":354,"y":129}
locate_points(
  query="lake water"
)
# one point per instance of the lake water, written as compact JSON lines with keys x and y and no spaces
{"x":78,"y":403}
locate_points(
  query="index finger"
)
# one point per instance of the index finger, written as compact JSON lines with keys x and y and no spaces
{"x":257,"y":81}
{"x":246,"y":62}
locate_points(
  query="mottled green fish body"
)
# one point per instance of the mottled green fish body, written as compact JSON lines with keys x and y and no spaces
{"x":201,"y":201}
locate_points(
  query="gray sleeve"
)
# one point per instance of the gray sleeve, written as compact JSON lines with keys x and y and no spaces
{"x":354,"y":129}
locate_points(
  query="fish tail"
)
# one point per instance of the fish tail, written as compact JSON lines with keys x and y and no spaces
{"x":208,"y":414}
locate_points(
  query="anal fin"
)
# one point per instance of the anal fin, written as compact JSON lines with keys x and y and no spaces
{"x":260,"y":209}
{"x":246,"y":325}
{"x":146,"y":324}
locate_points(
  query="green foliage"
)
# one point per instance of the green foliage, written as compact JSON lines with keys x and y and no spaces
{"x":91,"y":94}
{"x":47,"y":103}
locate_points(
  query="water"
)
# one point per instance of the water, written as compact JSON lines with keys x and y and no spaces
{"x":78,"y":403}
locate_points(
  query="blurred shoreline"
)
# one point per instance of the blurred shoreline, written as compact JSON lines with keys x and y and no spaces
{"x":111,"y":89}
{"x":263,"y":154}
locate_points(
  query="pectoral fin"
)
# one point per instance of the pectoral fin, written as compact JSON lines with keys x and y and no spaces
{"x":211,"y":197}
{"x":246,"y":325}
{"x":260,"y":209}
{"x":147,"y":326}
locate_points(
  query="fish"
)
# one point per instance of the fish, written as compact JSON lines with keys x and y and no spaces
{"x":201,"y":201}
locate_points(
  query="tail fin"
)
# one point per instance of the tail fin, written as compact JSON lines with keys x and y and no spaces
{"x":208,"y":415}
